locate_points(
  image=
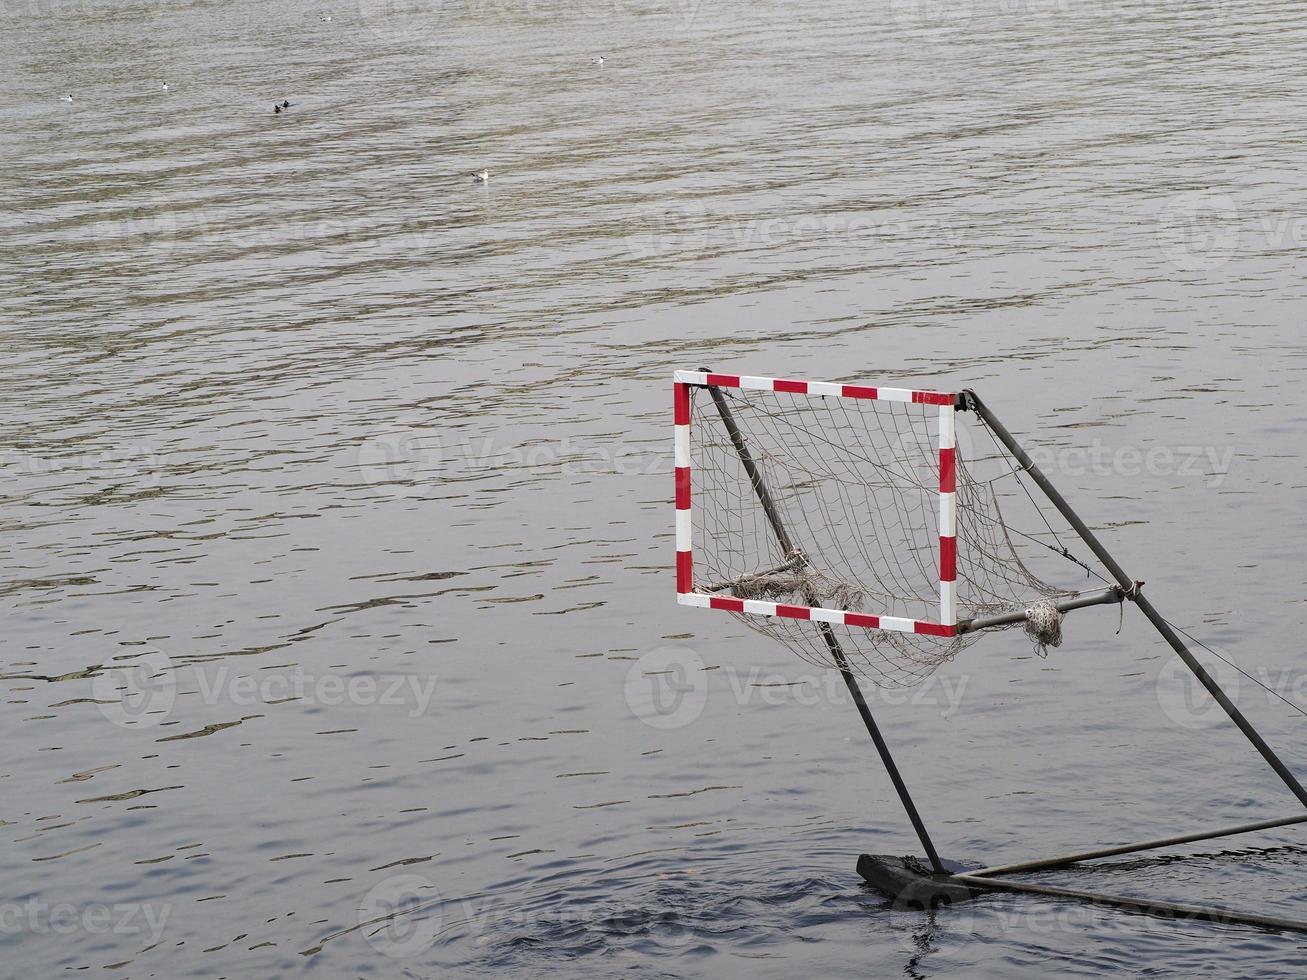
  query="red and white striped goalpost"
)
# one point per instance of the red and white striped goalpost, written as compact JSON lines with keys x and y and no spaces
{"x":945,"y":625}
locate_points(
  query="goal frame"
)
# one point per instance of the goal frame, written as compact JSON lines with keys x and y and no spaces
{"x":941,"y":885}
{"x":946,"y":623}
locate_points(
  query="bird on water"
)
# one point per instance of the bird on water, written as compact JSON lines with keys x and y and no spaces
{"x":481,"y":177}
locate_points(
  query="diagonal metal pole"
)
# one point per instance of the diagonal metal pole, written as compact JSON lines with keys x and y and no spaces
{"x":1063,"y":860}
{"x":1168,"y":910}
{"x":832,"y":644}
{"x":1132,"y":592}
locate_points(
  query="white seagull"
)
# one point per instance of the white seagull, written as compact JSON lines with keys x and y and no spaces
{"x":165,"y":86}
{"x":597,"y":61}
{"x":66,"y":98}
{"x":482,"y":177}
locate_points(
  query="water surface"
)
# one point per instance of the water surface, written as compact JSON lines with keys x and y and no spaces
{"x":365,"y":469}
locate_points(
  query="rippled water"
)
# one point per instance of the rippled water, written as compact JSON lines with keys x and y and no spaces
{"x":337,"y":524}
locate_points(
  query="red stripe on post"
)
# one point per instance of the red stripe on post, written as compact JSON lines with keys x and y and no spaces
{"x":798,"y":387}
{"x":863,"y":620}
{"x":684,"y":572}
{"x":793,"y":612}
{"x":726,"y":602}
{"x":681,"y":404}
{"x":948,"y":470}
{"x":859,"y":391}
{"x":724,"y":380}
{"x":682,"y":488}
{"x":933,"y":398}
{"x":948,"y":559}
{"x":933,"y":629}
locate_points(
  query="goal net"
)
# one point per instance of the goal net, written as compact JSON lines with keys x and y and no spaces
{"x":845,"y":506}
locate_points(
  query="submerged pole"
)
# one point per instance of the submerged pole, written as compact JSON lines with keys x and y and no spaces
{"x":1062,"y":860}
{"x":1132,"y":592}
{"x":832,"y":644}
{"x":1169,"y":910}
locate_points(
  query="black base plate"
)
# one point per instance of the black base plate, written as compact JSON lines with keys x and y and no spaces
{"x":908,"y":882}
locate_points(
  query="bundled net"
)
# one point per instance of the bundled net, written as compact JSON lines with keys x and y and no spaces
{"x":855,"y":483}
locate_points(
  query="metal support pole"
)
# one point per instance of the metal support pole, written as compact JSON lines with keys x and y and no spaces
{"x":1132,"y":592}
{"x":1110,"y":594}
{"x":832,"y":644}
{"x":1170,"y":910}
{"x":1148,"y":845}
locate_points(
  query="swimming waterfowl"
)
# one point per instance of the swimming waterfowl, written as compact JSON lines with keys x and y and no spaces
{"x":277,"y":109}
{"x":165,"y":86}
{"x":597,"y":61}
{"x":481,"y":177}
{"x":66,"y":98}
{"x":285,"y":104}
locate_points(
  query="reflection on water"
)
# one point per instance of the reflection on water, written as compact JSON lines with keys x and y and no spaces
{"x":338,"y":495}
